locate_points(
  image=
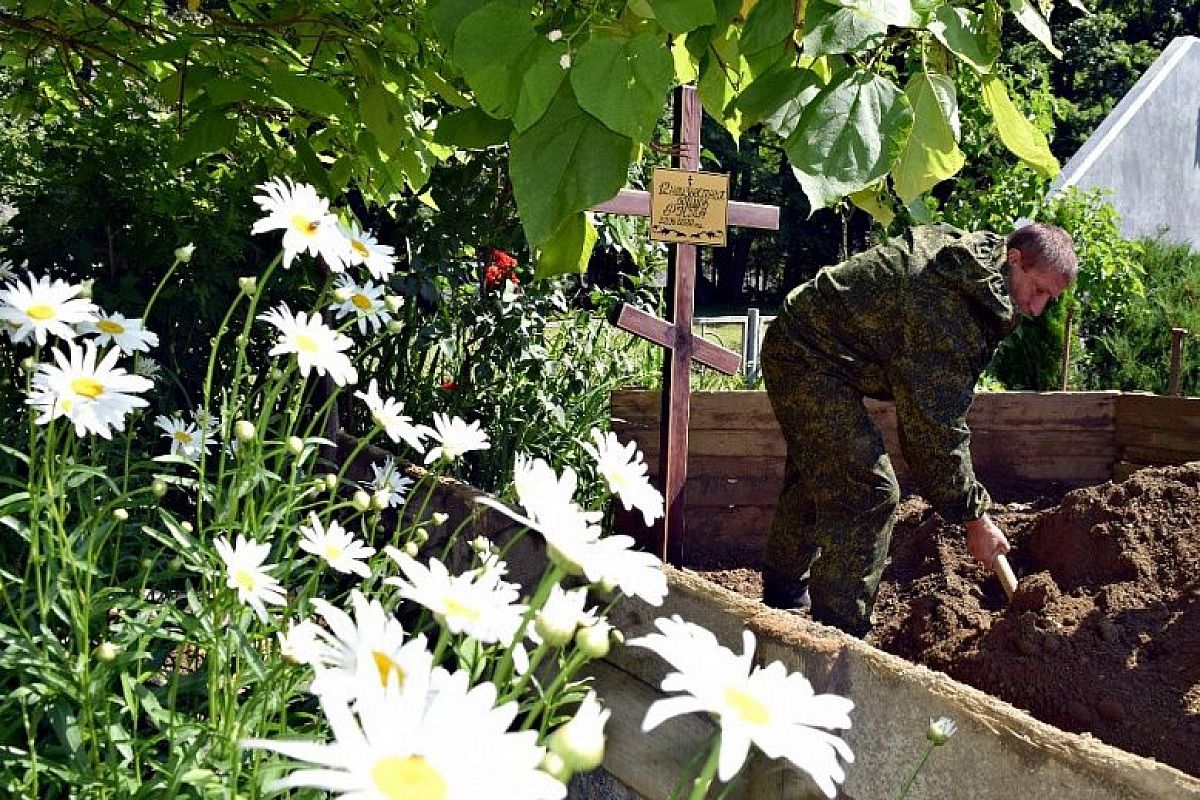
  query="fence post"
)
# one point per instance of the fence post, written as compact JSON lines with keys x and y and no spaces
{"x":750,"y":340}
{"x":1177,"y":335}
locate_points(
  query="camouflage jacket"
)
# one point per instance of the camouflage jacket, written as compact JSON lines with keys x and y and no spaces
{"x":915,"y":320}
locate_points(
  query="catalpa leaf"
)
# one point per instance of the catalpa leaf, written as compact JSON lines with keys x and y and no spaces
{"x":623,"y":82}
{"x":931,"y":153}
{"x":1032,"y":20}
{"x":681,"y":16}
{"x":567,"y":162}
{"x":831,"y":28}
{"x":769,"y":23}
{"x":967,"y":35}
{"x":512,"y":69}
{"x":568,"y":248}
{"x":1018,"y":134}
{"x":849,"y":136}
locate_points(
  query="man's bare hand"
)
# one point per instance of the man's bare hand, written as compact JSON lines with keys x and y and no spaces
{"x":985,"y":540}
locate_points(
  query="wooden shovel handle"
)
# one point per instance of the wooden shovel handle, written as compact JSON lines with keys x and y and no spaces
{"x":1004,"y":572}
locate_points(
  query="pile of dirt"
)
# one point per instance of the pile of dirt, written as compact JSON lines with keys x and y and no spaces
{"x":1103,"y":635}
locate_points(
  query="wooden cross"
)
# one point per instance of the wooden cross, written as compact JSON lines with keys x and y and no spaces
{"x":675,"y":332}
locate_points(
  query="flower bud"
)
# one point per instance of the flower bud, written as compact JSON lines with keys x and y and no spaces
{"x":85,"y":288}
{"x":553,"y":765}
{"x":121,"y":514}
{"x":361,"y":500}
{"x":580,"y":742}
{"x":28,"y":364}
{"x":343,"y":293}
{"x":331,"y":481}
{"x":554,"y":35}
{"x":555,"y":629}
{"x":248,"y":285}
{"x":395,"y":326}
{"x":186,"y":526}
{"x":420,"y":536}
{"x":411,"y":549}
{"x":158,"y":486}
{"x":175,"y":564}
{"x":244,"y":430}
{"x":394,"y":302}
{"x":940,"y":730}
{"x":184,"y":254}
{"x":380,"y":498}
{"x":439,"y":518}
{"x":106,"y":651}
{"x":276,"y":373}
{"x":295,"y":445}
{"x":593,"y":640}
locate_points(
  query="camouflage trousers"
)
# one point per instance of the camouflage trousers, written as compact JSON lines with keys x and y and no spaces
{"x":834,"y":519}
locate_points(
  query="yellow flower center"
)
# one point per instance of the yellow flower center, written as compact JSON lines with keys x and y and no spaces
{"x":183,"y":437}
{"x":408,"y":778}
{"x":40,"y":312}
{"x":244,"y":578}
{"x":746,"y":706}
{"x":461,"y":610}
{"x":333,"y":552}
{"x":361,"y":301}
{"x":110,"y":327}
{"x":306,"y":343}
{"x":87,"y":387}
{"x":359,"y":248}
{"x":308,"y":227}
{"x":386,"y":666}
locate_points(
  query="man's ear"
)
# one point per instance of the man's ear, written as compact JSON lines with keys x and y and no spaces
{"x":1015,"y":257}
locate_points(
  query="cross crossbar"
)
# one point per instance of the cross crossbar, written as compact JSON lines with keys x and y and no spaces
{"x":636,"y":203}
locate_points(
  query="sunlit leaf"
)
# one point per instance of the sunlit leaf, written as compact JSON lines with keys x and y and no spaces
{"x":568,"y":248}
{"x":1018,"y":134}
{"x":931,"y":153}
{"x":623,"y":82}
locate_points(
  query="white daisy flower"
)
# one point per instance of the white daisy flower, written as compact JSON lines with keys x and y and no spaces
{"x":389,"y":415}
{"x":405,"y":744}
{"x":43,"y":308}
{"x":612,"y":561}
{"x":380,"y":259}
{"x":246,"y":572}
{"x":477,"y":603}
{"x":7,"y":271}
{"x":95,"y":395}
{"x":455,"y":437}
{"x":186,"y":439}
{"x":339,"y":548}
{"x":304,"y":218}
{"x":388,"y":479}
{"x":624,"y":471}
{"x":129,"y":335}
{"x":765,"y":706}
{"x":301,"y":642}
{"x":364,"y":301}
{"x":370,"y":645}
{"x":315,"y":344}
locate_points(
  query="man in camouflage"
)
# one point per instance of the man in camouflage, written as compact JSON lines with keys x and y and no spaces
{"x":915,"y":320}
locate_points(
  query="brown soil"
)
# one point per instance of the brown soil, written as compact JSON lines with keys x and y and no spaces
{"x":1103,"y":635}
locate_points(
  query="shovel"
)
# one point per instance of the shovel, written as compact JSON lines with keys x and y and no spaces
{"x":1004,"y":572}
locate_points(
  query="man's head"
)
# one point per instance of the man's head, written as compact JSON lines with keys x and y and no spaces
{"x":1042,"y":264}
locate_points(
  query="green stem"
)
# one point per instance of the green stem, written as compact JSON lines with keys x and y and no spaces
{"x":920,"y":764}
{"x":707,"y":772}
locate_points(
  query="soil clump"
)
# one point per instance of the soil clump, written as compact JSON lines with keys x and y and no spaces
{"x":1103,"y":634}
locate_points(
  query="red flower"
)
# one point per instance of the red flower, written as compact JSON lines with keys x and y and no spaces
{"x":448,"y":385}
{"x":503,"y":266}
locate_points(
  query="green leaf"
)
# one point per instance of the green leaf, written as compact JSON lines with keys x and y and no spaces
{"x":567,"y":162}
{"x":384,"y":116}
{"x":313,"y":168}
{"x":931,"y":153}
{"x":685,"y":65}
{"x":1017,"y":133}
{"x":447,"y":15}
{"x":769,"y":94}
{"x":310,"y":94}
{"x":681,"y":16}
{"x":873,"y":201}
{"x":849,"y":136}
{"x":623,"y":82}
{"x":211,"y":131}
{"x":1029,"y":17}
{"x":472,"y":129}
{"x":568,"y":248}
{"x":770,"y":23}
{"x":171,"y":51}
{"x":830,"y":28}
{"x":513,"y":70}
{"x":966,"y":34}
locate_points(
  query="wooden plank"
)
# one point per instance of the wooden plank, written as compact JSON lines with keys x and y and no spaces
{"x":1158,"y":455}
{"x":1152,"y":438}
{"x":719,"y":443}
{"x":747,"y":215}
{"x":724,"y":490}
{"x":1149,"y":409}
{"x":642,"y":407}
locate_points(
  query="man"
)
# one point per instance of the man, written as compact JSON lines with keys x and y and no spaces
{"x":915,"y":320}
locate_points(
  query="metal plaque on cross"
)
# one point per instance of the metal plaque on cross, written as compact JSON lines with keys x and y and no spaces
{"x":675,"y":332}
